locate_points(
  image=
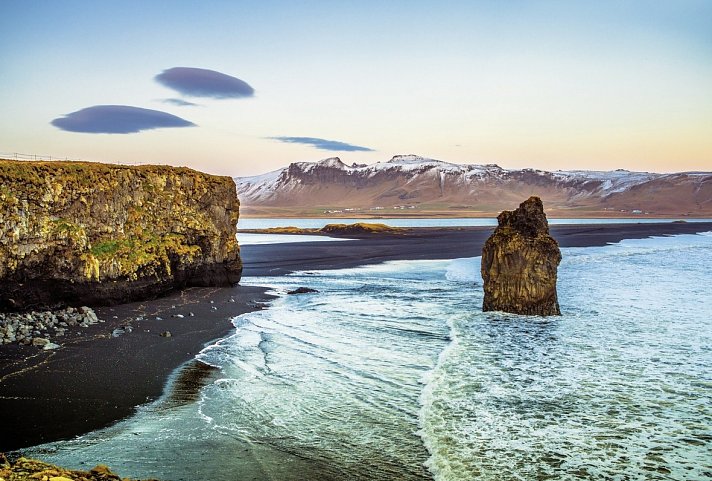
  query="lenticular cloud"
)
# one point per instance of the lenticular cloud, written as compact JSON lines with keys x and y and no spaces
{"x":199,"y":82}
{"x":179,"y":102}
{"x":324,"y":144}
{"x":117,"y":119}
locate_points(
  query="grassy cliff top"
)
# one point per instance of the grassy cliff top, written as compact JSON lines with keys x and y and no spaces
{"x":29,"y":169}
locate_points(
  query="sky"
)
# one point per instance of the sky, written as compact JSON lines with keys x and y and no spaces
{"x":245,"y":87}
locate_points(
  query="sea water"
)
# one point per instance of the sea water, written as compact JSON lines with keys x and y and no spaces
{"x":393,"y":372}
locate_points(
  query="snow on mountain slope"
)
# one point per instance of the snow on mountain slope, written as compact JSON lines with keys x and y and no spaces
{"x":414,"y":181}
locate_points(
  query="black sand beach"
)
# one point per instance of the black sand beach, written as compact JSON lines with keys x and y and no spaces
{"x":96,"y":379}
{"x":432,"y":243}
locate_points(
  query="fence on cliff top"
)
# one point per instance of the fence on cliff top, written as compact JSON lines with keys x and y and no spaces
{"x":21,"y":156}
{"x":33,"y":157}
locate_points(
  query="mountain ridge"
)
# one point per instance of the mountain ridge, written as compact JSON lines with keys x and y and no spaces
{"x":415,"y":185}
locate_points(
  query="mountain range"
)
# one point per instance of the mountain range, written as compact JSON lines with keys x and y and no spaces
{"x":414,"y":185}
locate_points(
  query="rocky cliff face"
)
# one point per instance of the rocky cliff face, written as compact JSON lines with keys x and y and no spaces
{"x":89,"y":233}
{"x":519,"y":263}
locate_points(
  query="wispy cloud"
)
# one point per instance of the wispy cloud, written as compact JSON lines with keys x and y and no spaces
{"x":117,"y":119}
{"x":323,"y":144}
{"x":199,"y":82}
{"x":179,"y":102}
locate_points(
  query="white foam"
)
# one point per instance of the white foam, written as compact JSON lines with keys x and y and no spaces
{"x":466,"y":269}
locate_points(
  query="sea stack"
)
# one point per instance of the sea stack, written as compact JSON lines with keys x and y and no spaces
{"x":81,"y":233}
{"x":519,"y":263}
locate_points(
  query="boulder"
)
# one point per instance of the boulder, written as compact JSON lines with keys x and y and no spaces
{"x":39,"y":341}
{"x":302,"y":290}
{"x":519,"y":263}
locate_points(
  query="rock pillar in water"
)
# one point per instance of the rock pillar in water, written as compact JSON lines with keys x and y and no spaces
{"x":519,"y":263}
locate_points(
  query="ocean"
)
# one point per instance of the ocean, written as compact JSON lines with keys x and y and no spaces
{"x":392,"y":372}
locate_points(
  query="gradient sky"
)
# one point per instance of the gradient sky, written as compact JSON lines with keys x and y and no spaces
{"x":544,"y":84}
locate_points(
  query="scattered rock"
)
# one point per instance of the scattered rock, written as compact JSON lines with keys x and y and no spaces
{"x":166,"y":334}
{"x":40,"y":341}
{"x":179,"y":316}
{"x":302,"y":290}
{"x":519,"y":263}
{"x":101,"y":469}
{"x":24,"y":327}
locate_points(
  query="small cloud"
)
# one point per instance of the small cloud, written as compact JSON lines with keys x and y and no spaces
{"x":179,"y":102}
{"x":200,"y":82}
{"x":117,"y":119}
{"x":323,"y":144}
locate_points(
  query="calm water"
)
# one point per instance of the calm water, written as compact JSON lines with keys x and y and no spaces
{"x":254,"y":223}
{"x":392,"y":372}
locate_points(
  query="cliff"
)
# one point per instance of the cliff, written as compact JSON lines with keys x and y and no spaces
{"x":90,"y":233}
{"x":519,"y":263}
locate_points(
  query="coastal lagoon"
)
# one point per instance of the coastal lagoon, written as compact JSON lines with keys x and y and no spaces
{"x":392,"y":371}
{"x":318,"y":223}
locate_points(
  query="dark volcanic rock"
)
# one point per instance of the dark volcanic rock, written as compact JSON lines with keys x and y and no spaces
{"x":519,"y":263}
{"x":90,"y":233}
{"x":302,"y":290}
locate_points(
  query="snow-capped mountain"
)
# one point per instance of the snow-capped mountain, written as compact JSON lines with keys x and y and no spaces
{"x":427,"y":185}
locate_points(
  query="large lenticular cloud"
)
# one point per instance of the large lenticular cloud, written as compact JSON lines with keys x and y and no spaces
{"x":199,"y":82}
{"x":117,"y":119}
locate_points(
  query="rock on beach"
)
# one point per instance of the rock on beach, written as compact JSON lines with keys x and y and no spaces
{"x":41,"y":328}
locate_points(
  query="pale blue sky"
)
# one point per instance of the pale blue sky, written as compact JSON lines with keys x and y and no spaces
{"x":553,"y":85}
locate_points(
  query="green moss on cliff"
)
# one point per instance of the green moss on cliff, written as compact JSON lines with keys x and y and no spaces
{"x":105,"y":249}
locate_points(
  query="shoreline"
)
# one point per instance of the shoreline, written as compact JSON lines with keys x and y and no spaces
{"x":95,"y":380}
